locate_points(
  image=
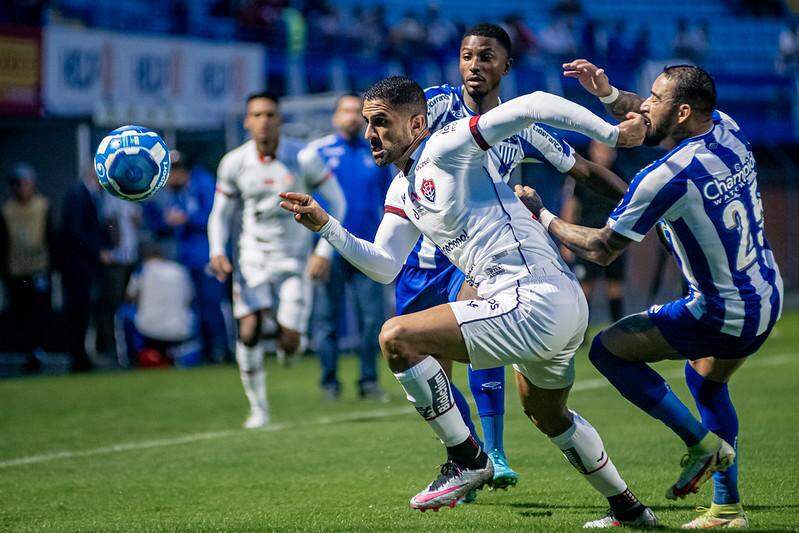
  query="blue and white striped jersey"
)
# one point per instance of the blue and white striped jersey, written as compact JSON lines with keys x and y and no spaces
{"x":704,"y":193}
{"x":535,"y":144}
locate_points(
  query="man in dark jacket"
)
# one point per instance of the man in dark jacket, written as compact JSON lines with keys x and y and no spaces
{"x":85,"y":249}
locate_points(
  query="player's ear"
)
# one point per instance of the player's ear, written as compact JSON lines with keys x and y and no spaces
{"x":508,"y":65}
{"x":418,"y":123}
{"x":684,"y":112}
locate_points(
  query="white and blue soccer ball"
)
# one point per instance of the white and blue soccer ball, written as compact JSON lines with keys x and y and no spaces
{"x":132,"y":163}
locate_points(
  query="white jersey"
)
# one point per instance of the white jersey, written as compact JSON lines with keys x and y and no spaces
{"x":451,"y":193}
{"x":266,"y":229}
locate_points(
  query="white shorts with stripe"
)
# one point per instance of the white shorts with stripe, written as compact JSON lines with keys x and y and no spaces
{"x":290,"y":292}
{"x":535,"y":326}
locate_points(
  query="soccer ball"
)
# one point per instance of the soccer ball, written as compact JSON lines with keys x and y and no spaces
{"x":132,"y":163}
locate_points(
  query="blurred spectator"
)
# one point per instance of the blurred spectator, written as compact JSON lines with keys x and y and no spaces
{"x":163,"y":294}
{"x":690,"y":43}
{"x":442,"y":36}
{"x":409,"y":36}
{"x":788,"y":61}
{"x":559,"y":39}
{"x":348,"y":157}
{"x":85,"y":249}
{"x":122,"y":220}
{"x":26,"y":245}
{"x":584,"y":207}
{"x":178,"y":217}
{"x":521,"y":35}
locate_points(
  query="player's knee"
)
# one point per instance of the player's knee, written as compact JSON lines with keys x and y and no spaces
{"x":289,"y":340}
{"x":248,"y":332}
{"x":392,"y":339}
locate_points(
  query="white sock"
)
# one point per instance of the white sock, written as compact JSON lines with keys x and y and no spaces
{"x":253,"y":375}
{"x":427,"y":388}
{"x":582,"y":446}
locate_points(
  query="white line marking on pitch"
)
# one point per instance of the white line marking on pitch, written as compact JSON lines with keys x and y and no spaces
{"x":583,"y":385}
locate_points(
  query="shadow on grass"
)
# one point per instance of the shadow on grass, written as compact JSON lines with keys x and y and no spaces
{"x":543,"y":510}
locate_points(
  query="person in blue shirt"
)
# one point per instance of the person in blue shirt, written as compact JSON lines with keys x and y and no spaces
{"x":703,"y":195}
{"x":346,"y":155}
{"x":179,"y":217}
{"x":428,"y":279}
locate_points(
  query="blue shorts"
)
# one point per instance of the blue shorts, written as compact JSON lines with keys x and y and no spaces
{"x":418,"y":289}
{"x":694,"y":339}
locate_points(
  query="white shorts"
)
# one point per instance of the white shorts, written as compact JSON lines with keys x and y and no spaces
{"x":535,"y":326}
{"x":290,"y":292}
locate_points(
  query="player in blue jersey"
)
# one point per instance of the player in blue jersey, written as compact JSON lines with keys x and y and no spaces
{"x":428,"y":278}
{"x":704,"y":195}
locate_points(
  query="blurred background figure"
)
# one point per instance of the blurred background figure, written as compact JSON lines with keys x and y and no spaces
{"x":347,"y":156}
{"x":691,"y":42}
{"x":584,"y":207}
{"x":26,"y":255}
{"x":162,"y":292}
{"x":122,"y":221}
{"x":85,"y":249}
{"x":178,"y":217}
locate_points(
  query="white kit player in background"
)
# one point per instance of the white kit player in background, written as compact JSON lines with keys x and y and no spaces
{"x":531,"y":312}
{"x":271,"y":291}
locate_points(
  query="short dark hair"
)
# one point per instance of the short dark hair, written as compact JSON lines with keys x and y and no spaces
{"x":399,"y":92}
{"x":692,"y":86}
{"x":348,"y":94}
{"x":491,"y":31}
{"x":264,"y":94}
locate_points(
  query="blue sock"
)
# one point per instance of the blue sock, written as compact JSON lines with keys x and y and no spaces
{"x":644,"y":387}
{"x":488,"y":389}
{"x":465,"y":411}
{"x":718,"y":414}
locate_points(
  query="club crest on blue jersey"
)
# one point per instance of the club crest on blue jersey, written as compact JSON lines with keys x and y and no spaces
{"x":428,"y":189}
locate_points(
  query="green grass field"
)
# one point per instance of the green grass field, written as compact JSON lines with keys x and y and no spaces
{"x":162,"y":451}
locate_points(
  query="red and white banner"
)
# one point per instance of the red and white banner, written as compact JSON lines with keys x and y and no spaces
{"x":20,"y":66}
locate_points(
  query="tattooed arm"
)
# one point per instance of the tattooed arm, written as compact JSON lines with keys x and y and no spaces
{"x":598,"y":245}
{"x":595,"y":81}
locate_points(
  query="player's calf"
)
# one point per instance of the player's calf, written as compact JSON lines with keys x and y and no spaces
{"x":583,"y":448}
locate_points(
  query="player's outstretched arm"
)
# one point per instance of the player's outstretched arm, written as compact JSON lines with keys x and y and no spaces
{"x":599,"y":179}
{"x":598,"y":245}
{"x":515,"y":115}
{"x":381,"y":260}
{"x":594,"y":80}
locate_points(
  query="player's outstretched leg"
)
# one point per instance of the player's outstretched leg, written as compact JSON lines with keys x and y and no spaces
{"x":407,"y":342}
{"x":582,"y":446}
{"x":250,"y":358}
{"x":718,"y":414}
{"x":641,"y":385}
{"x":488,"y":389}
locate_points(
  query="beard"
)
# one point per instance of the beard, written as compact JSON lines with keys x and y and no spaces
{"x":657,"y":132}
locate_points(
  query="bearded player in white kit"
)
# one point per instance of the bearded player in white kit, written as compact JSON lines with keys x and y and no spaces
{"x":531,"y":312}
{"x":271,"y":292}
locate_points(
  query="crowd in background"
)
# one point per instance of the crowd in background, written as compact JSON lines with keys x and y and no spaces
{"x":130,"y":277}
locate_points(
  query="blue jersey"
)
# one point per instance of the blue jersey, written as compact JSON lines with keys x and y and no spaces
{"x":535,"y":144}
{"x":704,"y":193}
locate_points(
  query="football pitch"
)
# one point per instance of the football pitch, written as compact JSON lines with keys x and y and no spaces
{"x":163,"y":451}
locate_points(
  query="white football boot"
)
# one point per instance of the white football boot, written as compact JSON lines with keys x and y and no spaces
{"x":698,"y":466}
{"x":646,"y":519}
{"x":257,"y":419}
{"x":453,"y":483}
